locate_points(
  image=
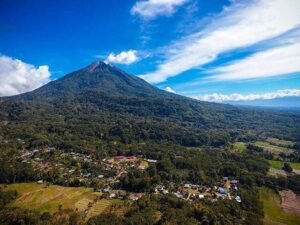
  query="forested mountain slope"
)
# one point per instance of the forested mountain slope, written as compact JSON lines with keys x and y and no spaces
{"x":101,"y":104}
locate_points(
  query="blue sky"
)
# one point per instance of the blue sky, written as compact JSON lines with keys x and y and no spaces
{"x":215,"y":50}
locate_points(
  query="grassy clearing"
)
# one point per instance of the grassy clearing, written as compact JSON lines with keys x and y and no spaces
{"x":278,"y":142}
{"x":277,"y":173}
{"x":48,"y":198}
{"x":100,"y":206}
{"x":240,"y":146}
{"x":273,"y":148}
{"x":144,"y":164}
{"x":273,"y":213}
{"x":279,"y":164}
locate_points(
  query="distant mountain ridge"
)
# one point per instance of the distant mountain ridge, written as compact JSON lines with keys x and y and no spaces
{"x":101,"y":99}
{"x":283,"y":102}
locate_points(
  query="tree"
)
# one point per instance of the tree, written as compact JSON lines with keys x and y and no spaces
{"x":287,"y":167}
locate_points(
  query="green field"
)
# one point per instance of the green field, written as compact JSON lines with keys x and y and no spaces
{"x":272,"y":145}
{"x":274,"y":215}
{"x":144,"y":164}
{"x":278,"y":142}
{"x":273,"y":148}
{"x":240,"y":146}
{"x":48,"y":198}
{"x":100,"y":206}
{"x":279,"y":164}
{"x":277,"y":172}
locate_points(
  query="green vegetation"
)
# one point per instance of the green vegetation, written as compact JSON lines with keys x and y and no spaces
{"x":101,"y":112}
{"x":100,"y":207}
{"x":273,"y":213}
{"x":279,"y":164}
{"x":287,"y":167}
{"x":89,"y":109}
{"x":48,"y":198}
{"x":6,"y":197}
{"x":144,"y":164}
{"x":157,"y":210}
{"x":187,"y":166}
{"x":277,"y":173}
{"x":279,"y":142}
{"x":274,"y":149}
{"x":239,"y":146}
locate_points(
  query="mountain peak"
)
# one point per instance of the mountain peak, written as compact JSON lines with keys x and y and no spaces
{"x":97,"y":77}
{"x":97,"y":64}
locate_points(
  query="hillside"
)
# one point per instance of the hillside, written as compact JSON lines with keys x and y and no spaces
{"x":100,"y":103}
{"x":48,"y":198}
{"x":274,"y":214}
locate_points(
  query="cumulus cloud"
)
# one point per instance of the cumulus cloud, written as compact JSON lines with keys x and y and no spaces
{"x":17,"y":77}
{"x":169,"y":89}
{"x":125,"y":57}
{"x":216,"y":97}
{"x":242,"y":24}
{"x":149,"y":9}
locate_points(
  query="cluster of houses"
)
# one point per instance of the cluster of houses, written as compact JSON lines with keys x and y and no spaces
{"x":32,"y":156}
{"x":227,"y":189}
{"x":32,"y":153}
{"x":121,"y":194}
{"x":119,"y":166}
{"x":108,"y":172}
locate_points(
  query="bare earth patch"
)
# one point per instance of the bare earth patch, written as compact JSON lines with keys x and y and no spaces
{"x":297,"y":172}
{"x":290,"y":202}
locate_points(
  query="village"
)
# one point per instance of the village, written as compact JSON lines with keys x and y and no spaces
{"x":104,"y":175}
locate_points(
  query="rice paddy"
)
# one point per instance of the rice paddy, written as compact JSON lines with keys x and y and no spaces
{"x":50,"y":198}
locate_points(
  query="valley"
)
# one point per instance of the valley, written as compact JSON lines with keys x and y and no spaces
{"x":100,"y":146}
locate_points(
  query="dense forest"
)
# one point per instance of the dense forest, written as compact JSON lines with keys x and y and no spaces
{"x":100,"y":104}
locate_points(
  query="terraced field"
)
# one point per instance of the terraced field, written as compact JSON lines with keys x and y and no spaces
{"x":49,"y":198}
{"x":100,"y":206}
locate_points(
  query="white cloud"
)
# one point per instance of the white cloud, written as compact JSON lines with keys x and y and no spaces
{"x":18,"y":77}
{"x":216,"y":97}
{"x":123,"y":57}
{"x":149,"y":9}
{"x":242,"y":24}
{"x":169,"y":89}
{"x":272,"y":62}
